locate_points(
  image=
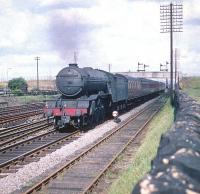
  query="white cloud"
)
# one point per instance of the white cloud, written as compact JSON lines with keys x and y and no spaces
{"x":191,"y":9}
{"x":122,"y":33}
{"x":25,"y":66}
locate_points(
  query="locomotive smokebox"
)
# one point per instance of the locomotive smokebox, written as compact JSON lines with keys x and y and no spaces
{"x":69,"y":81}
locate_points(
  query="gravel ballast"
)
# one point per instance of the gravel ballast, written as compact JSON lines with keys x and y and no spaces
{"x":33,"y":170}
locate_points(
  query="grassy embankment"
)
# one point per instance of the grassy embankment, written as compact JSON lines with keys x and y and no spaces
{"x":141,"y":163}
{"x":191,"y":85}
{"x":30,"y":99}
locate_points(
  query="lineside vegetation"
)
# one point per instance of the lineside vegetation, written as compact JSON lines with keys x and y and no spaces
{"x":141,"y":163}
{"x":191,"y":85}
{"x":31,"y":99}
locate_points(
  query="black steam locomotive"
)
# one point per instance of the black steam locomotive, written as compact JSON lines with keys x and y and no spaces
{"x":88,"y":95}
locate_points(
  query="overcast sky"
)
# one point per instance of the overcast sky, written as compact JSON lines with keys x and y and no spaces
{"x":119,"y":32}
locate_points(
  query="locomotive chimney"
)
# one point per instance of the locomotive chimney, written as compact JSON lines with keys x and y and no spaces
{"x":73,"y":65}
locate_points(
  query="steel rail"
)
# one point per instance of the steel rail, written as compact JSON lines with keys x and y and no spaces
{"x":45,"y":126}
{"x":94,"y":182}
{"x":19,"y":127}
{"x":19,"y":118}
{"x":26,"y":141}
{"x":16,"y":111}
{"x":19,"y":109}
{"x":22,"y":106}
{"x":20,"y":114}
{"x":22,"y":131}
{"x":38,"y":149}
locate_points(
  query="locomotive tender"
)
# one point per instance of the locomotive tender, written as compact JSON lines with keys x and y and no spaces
{"x":88,"y":95}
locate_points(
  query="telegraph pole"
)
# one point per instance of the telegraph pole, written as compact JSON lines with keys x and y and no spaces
{"x":171,"y":17}
{"x":37,"y":59}
{"x":171,"y":55}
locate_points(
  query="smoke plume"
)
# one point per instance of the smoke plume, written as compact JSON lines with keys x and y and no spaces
{"x":69,"y":34}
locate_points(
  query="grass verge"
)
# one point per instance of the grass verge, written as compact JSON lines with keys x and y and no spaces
{"x":194,"y":93}
{"x":30,"y":99}
{"x":141,"y":163}
{"x":191,"y":86}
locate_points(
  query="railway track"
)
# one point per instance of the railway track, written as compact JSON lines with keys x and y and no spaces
{"x":30,"y":149}
{"x":7,"y":116}
{"x":22,"y":108}
{"x":26,"y":137}
{"x":15,"y":119}
{"x":82,"y":173}
{"x":14,"y":115}
{"x":11,"y":134}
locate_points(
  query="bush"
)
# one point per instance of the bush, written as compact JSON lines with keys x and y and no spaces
{"x":18,"y":85}
{"x":17,"y":92}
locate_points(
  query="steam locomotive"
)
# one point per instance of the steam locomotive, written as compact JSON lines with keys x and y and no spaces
{"x":89,"y":95}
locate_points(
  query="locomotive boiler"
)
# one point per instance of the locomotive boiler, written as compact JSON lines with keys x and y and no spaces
{"x":74,"y":82}
{"x":89,"y":95}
